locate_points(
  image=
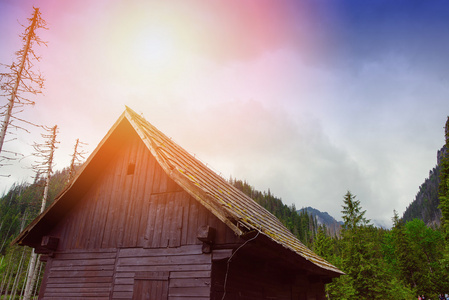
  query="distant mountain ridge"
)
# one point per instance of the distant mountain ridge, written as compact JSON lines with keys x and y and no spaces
{"x":333,"y":227}
{"x":322,"y":217}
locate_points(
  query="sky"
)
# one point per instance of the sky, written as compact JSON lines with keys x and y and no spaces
{"x":308,"y":99}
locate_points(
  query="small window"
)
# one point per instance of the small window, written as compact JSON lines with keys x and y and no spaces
{"x":131,"y":168}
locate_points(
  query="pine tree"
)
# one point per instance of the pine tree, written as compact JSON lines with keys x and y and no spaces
{"x":322,"y":244}
{"x":406,"y":261}
{"x":361,"y":258}
{"x":352,"y":214}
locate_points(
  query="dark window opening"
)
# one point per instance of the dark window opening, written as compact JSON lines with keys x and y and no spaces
{"x":131,"y":168}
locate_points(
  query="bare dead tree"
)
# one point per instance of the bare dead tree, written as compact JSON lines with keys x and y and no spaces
{"x":46,"y":152}
{"x":21,"y":80}
{"x":77,"y":158}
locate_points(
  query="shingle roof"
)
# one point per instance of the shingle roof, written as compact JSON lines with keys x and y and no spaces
{"x":238,"y":211}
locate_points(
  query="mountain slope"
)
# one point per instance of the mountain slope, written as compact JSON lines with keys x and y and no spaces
{"x":425,"y":205}
{"x":322,"y":217}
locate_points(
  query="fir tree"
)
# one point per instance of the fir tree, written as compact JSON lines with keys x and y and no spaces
{"x":405,"y":259}
{"x":361,"y":258}
{"x":352,"y":214}
{"x":322,"y":244}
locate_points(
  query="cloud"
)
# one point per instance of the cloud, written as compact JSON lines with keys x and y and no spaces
{"x":292,"y":157}
{"x":307,"y":98}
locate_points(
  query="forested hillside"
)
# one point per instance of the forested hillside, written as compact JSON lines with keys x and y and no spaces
{"x":323,"y":217}
{"x":302,"y":224}
{"x":18,"y":207}
{"x":333,"y":227}
{"x":22,"y":203}
{"x":425,"y":205}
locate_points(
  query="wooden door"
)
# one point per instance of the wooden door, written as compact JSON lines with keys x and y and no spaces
{"x":150,"y":286}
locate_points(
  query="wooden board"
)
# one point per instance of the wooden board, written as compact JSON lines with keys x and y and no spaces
{"x":86,"y":275}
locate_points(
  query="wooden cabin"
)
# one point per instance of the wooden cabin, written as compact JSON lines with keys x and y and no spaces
{"x":144,"y":219}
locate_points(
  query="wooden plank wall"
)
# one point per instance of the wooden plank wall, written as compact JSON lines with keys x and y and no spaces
{"x":133,"y":219}
{"x":145,"y":209}
{"x":76,"y":275}
{"x":117,"y":273}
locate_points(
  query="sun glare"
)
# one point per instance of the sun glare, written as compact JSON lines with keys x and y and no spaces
{"x":154,"y":48}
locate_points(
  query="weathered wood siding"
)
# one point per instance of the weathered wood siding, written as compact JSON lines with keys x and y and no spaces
{"x":78,"y":275}
{"x":133,"y":235}
{"x":129,"y":273}
{"x":144,"y":209}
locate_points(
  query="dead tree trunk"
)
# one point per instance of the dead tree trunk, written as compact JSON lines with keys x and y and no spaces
{"x":20,"y":73}
{"x":76,"y":158}
{"x":47,"y":152}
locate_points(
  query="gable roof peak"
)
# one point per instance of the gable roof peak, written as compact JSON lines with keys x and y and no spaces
{"x":239,"y":212}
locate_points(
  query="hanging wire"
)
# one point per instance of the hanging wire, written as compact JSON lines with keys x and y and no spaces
{"x":229,"y":261}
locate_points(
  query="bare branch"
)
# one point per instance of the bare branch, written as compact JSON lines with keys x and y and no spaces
{"x":20,"y":77}
{"x":77,"y":157}
{"x":44,"y":151}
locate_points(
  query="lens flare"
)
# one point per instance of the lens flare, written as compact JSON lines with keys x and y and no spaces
{"x":154,"y":47}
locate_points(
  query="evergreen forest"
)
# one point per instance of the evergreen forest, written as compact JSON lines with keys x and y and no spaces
{"x":18,"y":207}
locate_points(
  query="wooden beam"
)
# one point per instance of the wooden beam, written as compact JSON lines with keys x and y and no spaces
{"x":219,"y":254}
{"x":206,"y":234}
{"x":49,"y":242}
